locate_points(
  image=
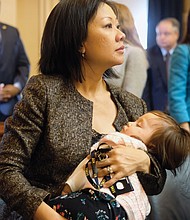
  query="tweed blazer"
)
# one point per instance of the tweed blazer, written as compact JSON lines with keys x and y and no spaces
{"x":48,"y":135}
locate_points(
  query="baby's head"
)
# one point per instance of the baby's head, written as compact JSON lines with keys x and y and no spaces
{"x":163,"y":137}
{"x":170,"y":142}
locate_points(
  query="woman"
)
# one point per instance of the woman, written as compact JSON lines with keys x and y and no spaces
{"x":179,"y":93}
{"x":62,"y":112}
{"x":133,"y":72}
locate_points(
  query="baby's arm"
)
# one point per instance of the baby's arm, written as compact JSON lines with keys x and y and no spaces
{"x":78,"y":179}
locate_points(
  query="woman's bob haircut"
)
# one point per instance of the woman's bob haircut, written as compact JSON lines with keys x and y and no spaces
{"x":65,"y":31}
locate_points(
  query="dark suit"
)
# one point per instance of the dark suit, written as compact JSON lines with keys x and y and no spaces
{"x":14,"y":64}
{"x":156,"y":90}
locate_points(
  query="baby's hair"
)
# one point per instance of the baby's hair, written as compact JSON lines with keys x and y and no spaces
{"x":170,"y":143}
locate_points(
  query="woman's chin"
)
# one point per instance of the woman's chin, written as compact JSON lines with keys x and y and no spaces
{"x":118,"y":63}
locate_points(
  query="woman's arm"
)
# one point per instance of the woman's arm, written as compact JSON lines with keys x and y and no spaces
{"x":19,"y":141}
{"x":45,"y":212}
{"x":154,"y":181}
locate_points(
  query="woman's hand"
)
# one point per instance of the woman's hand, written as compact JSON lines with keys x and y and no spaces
{"x":45,"y":212}
{"x":123,"y":161}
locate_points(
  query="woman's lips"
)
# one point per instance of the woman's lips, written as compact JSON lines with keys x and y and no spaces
{"x":121,"y":48}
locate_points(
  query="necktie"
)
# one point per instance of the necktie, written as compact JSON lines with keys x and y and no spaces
{"x":167,"y":61}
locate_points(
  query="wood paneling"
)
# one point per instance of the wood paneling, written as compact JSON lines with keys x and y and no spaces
{"x":1,"y":129}
{"x":29,"y":16}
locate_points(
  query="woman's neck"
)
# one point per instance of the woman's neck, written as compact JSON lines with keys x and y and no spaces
{"x":91,"y":88}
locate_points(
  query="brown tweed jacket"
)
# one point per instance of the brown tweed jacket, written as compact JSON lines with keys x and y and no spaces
{"x":49,"y":134}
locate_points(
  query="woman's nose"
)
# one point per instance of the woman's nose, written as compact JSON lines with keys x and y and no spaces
{"x":120,"y":36}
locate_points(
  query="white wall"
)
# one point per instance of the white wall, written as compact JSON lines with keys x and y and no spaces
{"x":139,"y":10}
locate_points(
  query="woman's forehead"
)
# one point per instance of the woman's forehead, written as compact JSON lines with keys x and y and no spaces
{"x":104,"y":11}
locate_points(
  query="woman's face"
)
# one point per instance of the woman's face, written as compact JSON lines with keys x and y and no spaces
{"x":104,"y":44}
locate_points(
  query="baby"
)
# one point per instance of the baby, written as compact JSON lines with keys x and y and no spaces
{"x":154,"y":132}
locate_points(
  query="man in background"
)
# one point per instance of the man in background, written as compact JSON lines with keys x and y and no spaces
{"x":155,"y":92}
{"x":14,"y":69}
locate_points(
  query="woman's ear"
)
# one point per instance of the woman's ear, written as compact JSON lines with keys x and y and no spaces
{"x":82,"y":51}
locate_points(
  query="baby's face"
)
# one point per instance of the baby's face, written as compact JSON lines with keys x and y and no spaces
{"x":142,"y":128}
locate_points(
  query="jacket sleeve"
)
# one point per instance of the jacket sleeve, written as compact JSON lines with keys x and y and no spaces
{"x":153,"y":183}
{"x":22,"y":132}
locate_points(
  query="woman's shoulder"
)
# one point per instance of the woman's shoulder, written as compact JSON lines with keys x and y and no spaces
{"x":48,"y":81}
{"x":184,"y":48}
{"x":181,"y":54}
{"x":134,"y":50}
{"x":45,"y":78}
{"x":136,"y":53}
{"x":52,"y":86}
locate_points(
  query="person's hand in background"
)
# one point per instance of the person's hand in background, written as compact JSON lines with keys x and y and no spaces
{"x":7,"y":92}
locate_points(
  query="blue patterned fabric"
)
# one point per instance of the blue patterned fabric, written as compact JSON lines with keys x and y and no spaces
{"x":88,"y":204}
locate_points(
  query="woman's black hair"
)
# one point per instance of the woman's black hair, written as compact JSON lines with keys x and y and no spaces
{"x":65,"y":31}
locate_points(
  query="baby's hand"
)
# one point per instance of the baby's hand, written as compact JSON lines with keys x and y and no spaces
{"x":66,"y":190}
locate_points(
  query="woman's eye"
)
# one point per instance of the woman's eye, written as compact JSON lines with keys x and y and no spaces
{"x":119,"y":26}
{"x":109,"y":25}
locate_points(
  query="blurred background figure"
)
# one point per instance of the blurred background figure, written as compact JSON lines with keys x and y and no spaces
{"x":133,"y":72}
{"x":156,"y":90}
{"x":179,"y":81}
{"x":174,"y":200}
{"x":14,"y":69}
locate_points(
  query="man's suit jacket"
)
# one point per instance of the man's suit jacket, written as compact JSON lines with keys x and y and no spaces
{"x":14,"y":63}
{"x":155,"y":92}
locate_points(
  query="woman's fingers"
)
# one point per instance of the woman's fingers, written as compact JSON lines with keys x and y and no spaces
{"x":123,"y":161}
